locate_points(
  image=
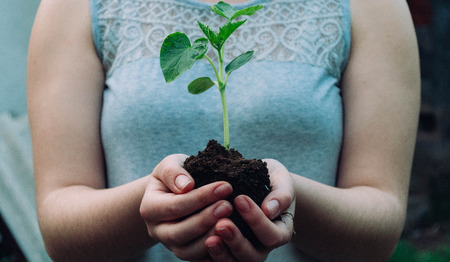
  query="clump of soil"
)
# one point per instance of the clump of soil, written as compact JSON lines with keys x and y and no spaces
{"x":248,"y":177}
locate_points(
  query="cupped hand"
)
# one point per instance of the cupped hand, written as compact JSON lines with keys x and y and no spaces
{"x":272,"y":224}
{"x":179,"y":217}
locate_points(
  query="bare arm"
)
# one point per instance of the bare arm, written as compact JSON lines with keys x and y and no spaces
{"x":363,"y":218}
{"x":78,"y":217}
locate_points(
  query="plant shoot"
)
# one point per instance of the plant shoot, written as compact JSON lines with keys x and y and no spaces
{"x":178,"y":55}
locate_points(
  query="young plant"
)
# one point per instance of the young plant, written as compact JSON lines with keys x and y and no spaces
{"x":178,"y":55}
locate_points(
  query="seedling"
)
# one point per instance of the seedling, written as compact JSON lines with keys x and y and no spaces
{"x":178,"y":55}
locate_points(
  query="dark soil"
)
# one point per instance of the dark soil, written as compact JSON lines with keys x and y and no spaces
{"x":248,"y":177}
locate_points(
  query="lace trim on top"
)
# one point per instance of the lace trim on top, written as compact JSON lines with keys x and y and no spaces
{"x":304,"y":31}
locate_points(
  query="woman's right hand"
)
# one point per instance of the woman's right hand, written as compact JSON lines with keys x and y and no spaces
{"x":178,"y":216}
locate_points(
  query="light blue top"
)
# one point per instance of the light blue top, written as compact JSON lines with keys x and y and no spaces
{"x":285,"y":104}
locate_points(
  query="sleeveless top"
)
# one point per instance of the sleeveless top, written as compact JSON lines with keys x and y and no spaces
{"x":284,"y":104}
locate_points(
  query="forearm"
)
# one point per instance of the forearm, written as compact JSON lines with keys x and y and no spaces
{"x":84,"y":224}
{"x":355,"y":224}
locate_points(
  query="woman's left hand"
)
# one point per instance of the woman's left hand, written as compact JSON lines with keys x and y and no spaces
{"x":272,"y":224}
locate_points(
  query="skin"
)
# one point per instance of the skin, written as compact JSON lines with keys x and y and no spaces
{"x":359,"y":220}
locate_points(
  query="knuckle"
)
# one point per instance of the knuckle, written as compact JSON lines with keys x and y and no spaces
{"x":286,"y":199}
{"x":181,"y":254}
{"x":172,"y":238}
{"x":171,"y":210}
{"x":147,"y":210}
{"x":273,"y":244}
{"x":153,"y":234}
{"x":154,"y":213}
{"x":206,"y":223}
{"x":168,"y":170}
{"x":185,"y":254}
{"x":203,"y":196}
{"x":204,"y":199}
{"x":166,"y":165}
{"x":144,"y":212}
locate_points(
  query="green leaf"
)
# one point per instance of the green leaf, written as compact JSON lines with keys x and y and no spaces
{"x":177,"y":55}
{"x":224,"y":9}
{"x":230,"y":13}
{"x":238,"y":62}
{"x":210,"y":34}
{"x":218,"y":40}
{"x":247,"y":11}
{"x":226,"y":30}
{"x":200,"y":85}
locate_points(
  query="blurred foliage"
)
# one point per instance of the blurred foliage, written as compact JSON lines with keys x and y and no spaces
{"x":406,"y":252}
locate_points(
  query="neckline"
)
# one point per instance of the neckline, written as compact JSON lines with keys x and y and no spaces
{"x":236,"y":5}
{"x":215,"y":2}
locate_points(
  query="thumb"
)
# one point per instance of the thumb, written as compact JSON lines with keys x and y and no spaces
{"x":282,"y":195}
{"x":171,"y":172}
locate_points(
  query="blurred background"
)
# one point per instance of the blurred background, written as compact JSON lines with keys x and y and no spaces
{"x":427,"y":231}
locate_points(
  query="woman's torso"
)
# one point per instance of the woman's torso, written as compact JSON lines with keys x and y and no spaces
{"x":284,"y":104}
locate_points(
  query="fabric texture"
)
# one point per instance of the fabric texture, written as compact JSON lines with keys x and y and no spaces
{"x":284,"y":104}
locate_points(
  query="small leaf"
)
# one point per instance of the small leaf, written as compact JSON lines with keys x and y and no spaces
{"x":247,"y":11}
{"x":200,"y":85}
{"x":238,"y":62}
{"x":210,"y":34}
{"x":224,"y":9}
{"x":226,"y":30}
{"x":177,"y":55}
{"x":230,"y":13}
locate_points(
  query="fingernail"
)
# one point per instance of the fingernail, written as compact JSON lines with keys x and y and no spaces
{"x":182,"y":181}
{"x":242,"y":205}
{"x":225,"y":234}
{"x":273,"y":206}
{"x":222,"y":191}
{"x":223,"y":210}
{"x":215,"y":250}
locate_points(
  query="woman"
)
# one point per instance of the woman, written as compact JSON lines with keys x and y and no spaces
{"x":341,"y":120}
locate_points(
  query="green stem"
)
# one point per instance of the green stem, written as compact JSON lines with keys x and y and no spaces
{"x":213,"y":66}
{"x":226,"y":80}
{"x":220,"y":54}
{"x":226,"y":127}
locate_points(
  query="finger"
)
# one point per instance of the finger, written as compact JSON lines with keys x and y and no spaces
{"x":192,"y":227}
{"x":157,"y":207}
{"x":217,"y":250}
{"x":171,"y":172}
{"x":238,"y":247}
{"x":282,"y":195}
{"x":272,"y":234}
{"x":195,"y":250}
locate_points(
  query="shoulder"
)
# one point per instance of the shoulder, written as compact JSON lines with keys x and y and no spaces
{"x":381,"y":17}
{"x":378,"y":8}
{"x":383,"y":31}
{"x":61,"y":44}
{"x":63,"y":7}
{"x":60,"y":17}
{"x":61,"y":28}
